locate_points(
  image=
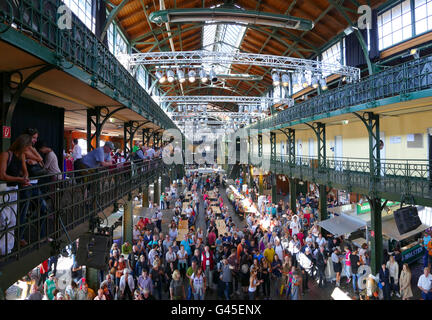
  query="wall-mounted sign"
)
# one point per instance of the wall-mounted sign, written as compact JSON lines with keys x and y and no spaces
{"x":6,"y":132}
{"x":395,"y":140}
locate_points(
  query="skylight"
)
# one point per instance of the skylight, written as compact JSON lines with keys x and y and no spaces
{"x":222,"y":38}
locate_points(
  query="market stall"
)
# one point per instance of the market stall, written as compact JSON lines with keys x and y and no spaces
{"x":408,"y":242}
{"x":247,"y":204}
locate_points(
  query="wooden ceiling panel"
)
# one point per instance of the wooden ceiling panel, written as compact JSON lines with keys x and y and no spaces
{"x":329,"y":22}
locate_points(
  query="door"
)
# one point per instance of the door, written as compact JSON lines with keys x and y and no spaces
{"x":282,"y":151}
{"x":338,"y":153}
{"x":311,"y":148}
{"x":299,"y":151}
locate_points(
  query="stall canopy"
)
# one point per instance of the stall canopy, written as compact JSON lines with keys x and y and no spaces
{"x":342,"y":224}
{"x":390,"y":229}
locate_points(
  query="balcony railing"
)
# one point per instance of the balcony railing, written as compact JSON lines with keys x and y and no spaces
{"x":79,"y":46}
{"x":400,"y":177}
{"x":399,"y":80}
{"x":62,"y":202}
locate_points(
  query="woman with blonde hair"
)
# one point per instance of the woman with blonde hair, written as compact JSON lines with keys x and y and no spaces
{"x":405,"y":283}
{"x":13,"y":171}
{"x":176,"y":289}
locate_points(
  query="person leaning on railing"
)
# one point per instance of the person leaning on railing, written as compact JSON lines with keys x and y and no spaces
{"x":13,"y":170}
{"x":99,"y":157}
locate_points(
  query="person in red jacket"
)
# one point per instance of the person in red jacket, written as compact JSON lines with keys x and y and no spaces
{"x":43,"y":271}
{"x":207,"y":264}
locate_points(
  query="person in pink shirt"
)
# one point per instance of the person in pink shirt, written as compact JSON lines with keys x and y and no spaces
{"x":211,"y":237}
{"x":348,"y":264}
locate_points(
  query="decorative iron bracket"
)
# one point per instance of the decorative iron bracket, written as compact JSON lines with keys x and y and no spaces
{"x":97,"y":117}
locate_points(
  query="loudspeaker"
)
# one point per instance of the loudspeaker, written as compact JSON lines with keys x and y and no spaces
{"x":407,"y":219}
{"x":93,"y":251}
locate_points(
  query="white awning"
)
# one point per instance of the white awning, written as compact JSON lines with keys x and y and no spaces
{"x":342,"y":224}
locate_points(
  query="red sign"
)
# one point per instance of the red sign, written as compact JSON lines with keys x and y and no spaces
{"x":6,"y":132}
{"x":372,"y":233}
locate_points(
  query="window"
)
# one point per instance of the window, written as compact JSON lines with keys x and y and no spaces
{"x":222,"y":38}
{"x":142,"y":77}
{"x":110,"y":39}
{"x":415,"y":140}
{"x":334,"y":55}
{"x":423,"y":15}
{"x":120,"y":44}
{"x":395,"y":25}
{"x":117,"y":42}
{"x":83,"y":10}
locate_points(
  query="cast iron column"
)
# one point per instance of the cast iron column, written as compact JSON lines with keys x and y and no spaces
{"x":127,"y":221}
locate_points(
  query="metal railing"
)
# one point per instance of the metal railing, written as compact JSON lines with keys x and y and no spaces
{"x":397,"y":176}
{"x":400,"y":80}
{"x":80,"y":47}
{"x":61,"y":202}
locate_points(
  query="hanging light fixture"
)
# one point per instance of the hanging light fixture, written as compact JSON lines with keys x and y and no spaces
{"x":276,"y":79}
{"x":161,"y":77}
{"x":323,"y":84}
{"x":192,"y":76}
{"x":213,"y":76}
{"x":304,"y":82}
{"x":285,"y":80}
{"x":296,"y":83}
{"x":315,"y":82}
{"x":181,"y":75}
{"x":170,"y":76}
{"x":203,"y":76}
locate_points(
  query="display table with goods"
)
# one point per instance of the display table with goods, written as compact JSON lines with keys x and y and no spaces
{"x":247,"y":204}
{"x":182,"y":230}
{"x":220,"y":226}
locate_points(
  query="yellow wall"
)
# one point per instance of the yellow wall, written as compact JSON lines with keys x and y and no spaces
{"x":355,"y":141}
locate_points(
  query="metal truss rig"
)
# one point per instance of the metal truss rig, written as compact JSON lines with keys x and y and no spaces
{"x":271,"y":61}
{"x":217,"y":114}
{"x":233,"y":99}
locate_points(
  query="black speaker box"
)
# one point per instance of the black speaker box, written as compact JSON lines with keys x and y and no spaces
{"x":93,"y":251}
{"x":407,"y":219}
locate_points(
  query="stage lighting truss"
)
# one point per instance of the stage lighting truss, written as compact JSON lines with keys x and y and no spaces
{"x":241,"y":100}
{"x":200,"y":58}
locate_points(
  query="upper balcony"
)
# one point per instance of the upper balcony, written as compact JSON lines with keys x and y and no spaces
{"x":402,"y":83}
{"x":409,"y":179}
{"x":32,"y":27}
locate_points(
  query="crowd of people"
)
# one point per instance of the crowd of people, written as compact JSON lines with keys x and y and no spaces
{"x":274,"y":253}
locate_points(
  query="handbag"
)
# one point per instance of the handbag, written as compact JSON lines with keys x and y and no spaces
{"x":36,"y":170}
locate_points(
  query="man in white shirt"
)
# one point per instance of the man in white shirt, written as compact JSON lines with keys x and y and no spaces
{"x":425,"y":284}
{"x":76,"y":152}
{"x":295,"y":226}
